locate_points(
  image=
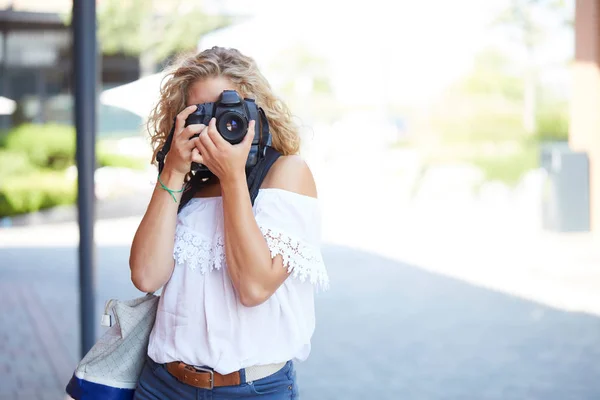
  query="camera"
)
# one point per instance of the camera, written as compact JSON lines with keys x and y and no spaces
{"x":233,"y":115}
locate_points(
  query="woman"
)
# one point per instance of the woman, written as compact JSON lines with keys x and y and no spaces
{"x":238,"y":281}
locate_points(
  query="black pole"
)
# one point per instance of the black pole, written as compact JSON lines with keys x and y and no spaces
{"x":4,"y":65}
{"x":5,"y":120}
{"x":85,"y":69}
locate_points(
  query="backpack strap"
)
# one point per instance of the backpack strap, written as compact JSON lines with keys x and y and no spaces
{"x":259,"y":172}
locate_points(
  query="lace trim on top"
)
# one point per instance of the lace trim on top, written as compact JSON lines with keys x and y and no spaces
{"x":303,"y":261}
{"x":197,"y":252}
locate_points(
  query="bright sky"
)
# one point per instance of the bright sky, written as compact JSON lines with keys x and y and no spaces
{"x":405,"y":49}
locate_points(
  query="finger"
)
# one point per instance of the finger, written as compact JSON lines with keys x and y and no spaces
{"x":214,"y":134}
{"x":249,"y":135}
{"x":181,"y":117}
{"x":196,"y":157}
{"x":206,"y":141}
{"x":201,"y":148}
{"x":192,"y":143}
{"x":191,"y":130}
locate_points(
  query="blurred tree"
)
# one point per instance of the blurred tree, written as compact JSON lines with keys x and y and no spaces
{"x":302,"y":71}
{"x":303,"y":78}
{"x":486,"y":104}
{"x":493,"y":74}
{"x":526,"y":21}
{"x":153,"y":30}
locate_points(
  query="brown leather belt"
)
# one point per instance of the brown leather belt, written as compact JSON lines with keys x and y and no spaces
{"x":203,"y":378}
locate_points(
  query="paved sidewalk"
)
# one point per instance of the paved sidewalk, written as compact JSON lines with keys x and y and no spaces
{"x":385,"y":330}
{"x":492,"y":242}
{"x":428,"y":301}
{"x":34,"y":361}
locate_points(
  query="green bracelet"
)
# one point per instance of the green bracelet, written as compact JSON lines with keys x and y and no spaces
{"x":171,"y":191}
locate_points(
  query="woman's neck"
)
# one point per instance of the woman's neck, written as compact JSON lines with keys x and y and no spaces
{"x":213,"y":189}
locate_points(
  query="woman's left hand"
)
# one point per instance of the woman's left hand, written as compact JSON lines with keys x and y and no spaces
{"x":226,"y":161}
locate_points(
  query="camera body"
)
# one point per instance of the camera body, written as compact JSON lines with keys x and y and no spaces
{"x":233,"y":115}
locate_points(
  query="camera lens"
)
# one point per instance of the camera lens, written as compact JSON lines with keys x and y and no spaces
{"x":232,"y":126}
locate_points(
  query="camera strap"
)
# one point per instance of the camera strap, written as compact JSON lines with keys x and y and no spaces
{"x":265,"y":133}
{"x":162,"y":153}
{"x":256,"y":175}
{"x":255,"y":178}
{"x":259,"y":172}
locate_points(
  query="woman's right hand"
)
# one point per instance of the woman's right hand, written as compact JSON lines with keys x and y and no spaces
{"x":183,"y":149}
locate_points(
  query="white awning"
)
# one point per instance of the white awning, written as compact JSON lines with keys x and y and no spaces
{"x":139,"y":96}
{"x":7,"y":106}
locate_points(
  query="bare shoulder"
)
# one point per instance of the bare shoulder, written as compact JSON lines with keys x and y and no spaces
{"x":291,"y":173}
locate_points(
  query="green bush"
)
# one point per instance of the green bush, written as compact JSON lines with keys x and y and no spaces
{"x":47,"y":146}
{"x":33,"y":159}
{"x":475,"y":119}
{"x":553,"y":125}
{"x":509,"y":168}
{"x":105,"y":159}
{"x":13,"y":163}
{"x":53,"y":146}
{"x":35,"y":191}
{"x":481,"y":127}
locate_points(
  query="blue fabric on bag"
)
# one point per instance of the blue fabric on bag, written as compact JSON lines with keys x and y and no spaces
{"x":80,"y":389}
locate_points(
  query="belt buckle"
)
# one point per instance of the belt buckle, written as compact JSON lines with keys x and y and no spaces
{"x":212,"y":375}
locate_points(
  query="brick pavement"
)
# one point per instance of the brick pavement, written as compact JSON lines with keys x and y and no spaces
{"x":33,"y":359}
{"x":386,"y":330}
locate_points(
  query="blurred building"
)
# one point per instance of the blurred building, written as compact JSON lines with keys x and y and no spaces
{"x":35,"y":65}
{"x":585,"y":104}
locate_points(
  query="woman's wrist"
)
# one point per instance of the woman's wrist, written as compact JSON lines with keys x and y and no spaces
{"x":171,"y":182}
{"x":172,"y":178}
{"x":167,"y":181}
{"x":233,"y":182}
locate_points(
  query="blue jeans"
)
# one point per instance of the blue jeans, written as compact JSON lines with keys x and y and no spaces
{"x":156,"y":383}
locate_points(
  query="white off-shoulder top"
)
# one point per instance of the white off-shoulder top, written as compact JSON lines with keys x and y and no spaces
{"x":200,"y":319}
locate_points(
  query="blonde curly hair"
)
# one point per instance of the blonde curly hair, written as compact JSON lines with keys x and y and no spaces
{"x":243,"y":73}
